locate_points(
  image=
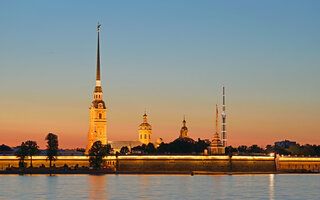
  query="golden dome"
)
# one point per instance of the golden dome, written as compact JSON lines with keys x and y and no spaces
{"x":145,"y":126}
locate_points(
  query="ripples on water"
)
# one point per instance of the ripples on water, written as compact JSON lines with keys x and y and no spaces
{"x":304,"y":186}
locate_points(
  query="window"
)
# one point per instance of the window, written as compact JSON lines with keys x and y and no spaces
{"x":100,"y":115}
{"x":140,"y":136}
{"x":149,"y":136}
{"x":145,"y":136}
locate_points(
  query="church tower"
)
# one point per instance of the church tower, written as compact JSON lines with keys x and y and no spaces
{"x":216,"y":146}
{"x":145,"y":131}
{"x":98,"y":110}
{"x":184,"y":130}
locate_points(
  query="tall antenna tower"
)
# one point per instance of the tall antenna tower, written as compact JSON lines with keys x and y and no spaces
{"x":224,"y":117}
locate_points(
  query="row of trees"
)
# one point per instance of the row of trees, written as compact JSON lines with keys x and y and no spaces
{"x":294,"y":150}
{"x":31,"y":148}
{"x":188,"y":147}
{"x":178,"y":146}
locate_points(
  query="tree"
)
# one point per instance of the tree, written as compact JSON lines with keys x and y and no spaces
{"x":242,"y":149}
{"x":124,"y":150}
{"x":201,"y":145}
{"x":97,"y":152}
{"x":33,"y":149}
{"x":5,"y":148}
{"x":255,"y":149}
{"x":150,"y":148}
{"x":22,"y":153}
{"x":52,"y":147}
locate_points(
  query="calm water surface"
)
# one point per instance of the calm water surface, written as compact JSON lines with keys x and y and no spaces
{"x":160,"y":187}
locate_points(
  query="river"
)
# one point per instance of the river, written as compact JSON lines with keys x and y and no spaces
{"x":173,"y":187}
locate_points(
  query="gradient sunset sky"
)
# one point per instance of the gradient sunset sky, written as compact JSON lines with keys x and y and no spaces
{"x":168,"y":57}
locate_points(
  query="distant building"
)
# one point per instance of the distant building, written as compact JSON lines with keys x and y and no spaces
{"x":184,"y":130}
{"x":145,"y":131}
{"x":117,"y":145}
{"x":69,"y":152}
{"x":6,"y":150}
{"x":285,"y":144}
{"x":216,"y":146}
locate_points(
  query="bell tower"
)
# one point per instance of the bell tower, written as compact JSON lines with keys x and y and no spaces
{"x":145,"y":131}
{"x":184,"y":129}
{"x":98,"y":110}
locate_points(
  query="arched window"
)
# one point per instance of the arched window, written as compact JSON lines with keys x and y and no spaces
{"x":145,"y":136}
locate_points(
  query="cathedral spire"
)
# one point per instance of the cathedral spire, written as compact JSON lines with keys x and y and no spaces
{"x":98,"y":57}
{"x":98,"y":89}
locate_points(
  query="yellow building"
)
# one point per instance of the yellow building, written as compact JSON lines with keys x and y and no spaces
{"x":184,"y":130}
{"x":145,"y":131}
{"x":98,"y":110}
{"x":216,"y":146}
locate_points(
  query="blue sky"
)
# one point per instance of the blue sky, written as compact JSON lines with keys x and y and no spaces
{"x":170,"y":57}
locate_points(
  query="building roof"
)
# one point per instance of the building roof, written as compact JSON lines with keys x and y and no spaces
{"x":120,"y":144}
{"x":145,"y":126}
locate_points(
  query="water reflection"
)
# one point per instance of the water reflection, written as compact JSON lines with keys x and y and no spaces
{"x":294,"y":186}
{"x":97,"y":185}
{"x":271,"y":186}
{"x":143,"y":184}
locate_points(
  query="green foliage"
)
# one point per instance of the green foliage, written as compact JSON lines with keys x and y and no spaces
{"x":150,"y":148}
{"x":294,"y":150}
{"x":96,"y":154}
{"x":52,"y":147}
{"x":4,"y":147}
{"x":22,"y":153}
{"x":179,"y":146}
{"x":124,"y":150}
{"x":33,"y":149}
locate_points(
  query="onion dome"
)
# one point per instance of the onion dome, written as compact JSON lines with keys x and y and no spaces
{"x":184,"y":129}
{"x":145,"y":125}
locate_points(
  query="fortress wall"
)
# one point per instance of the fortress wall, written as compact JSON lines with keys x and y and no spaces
{"x":253,"y":164}
{"x":182,"y":164}
{"x":187,"y":164}
{"x":298,"y":164}
{"x":37,"y":161}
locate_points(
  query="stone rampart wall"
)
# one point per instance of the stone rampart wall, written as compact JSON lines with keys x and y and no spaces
{"x":182,"y":164}
{"x":298,"y":164}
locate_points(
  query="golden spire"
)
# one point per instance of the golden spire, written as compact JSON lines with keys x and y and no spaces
{"x":145,"y":117}
{"x":184,"y":121}
{"x":98,"y":55}
{"x":98,"y":88}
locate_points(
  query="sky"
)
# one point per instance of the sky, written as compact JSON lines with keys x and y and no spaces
{"x":168,"y":57}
